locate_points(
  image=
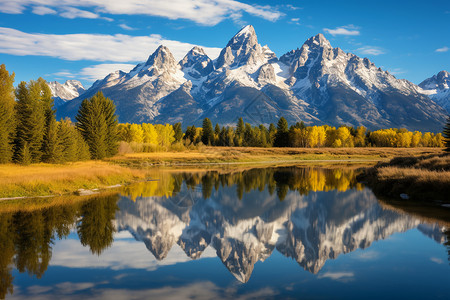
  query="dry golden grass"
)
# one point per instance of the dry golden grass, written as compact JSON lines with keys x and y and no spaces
{"x":422,"y":178}
{"x":50,"y":179}
{"x":416,"y":174}
{"x":31,"y":204}
{"x":253,"y":154}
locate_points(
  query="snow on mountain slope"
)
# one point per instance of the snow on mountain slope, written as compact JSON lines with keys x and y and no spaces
{"x":317,"y":84}
{"x":347,"y":89}
{"x":69,"y":90}
{"x":437,"y":88}
{"x":311,"y":229}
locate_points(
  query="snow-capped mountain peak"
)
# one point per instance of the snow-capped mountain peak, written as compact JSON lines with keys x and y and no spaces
{"x":66,"y":91}
{"x":246,"y":37}
{"x":316,"y":84}
{"x":437,"y":88}
{"x":318,"y":40}
{"x":440,"y":81}
{"x":243,"y":49}
{"x":196,"y":63}
{"x":161,"y":60}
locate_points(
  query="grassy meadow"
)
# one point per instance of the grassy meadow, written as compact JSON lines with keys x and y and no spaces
{"x":57,"y":179}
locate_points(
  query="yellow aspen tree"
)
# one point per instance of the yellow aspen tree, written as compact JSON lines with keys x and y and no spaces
{"x":136,"y":133}
{"x":416,"y":137}
{"x":321,"y":136}
{"x":150,"y":134}
{"x":313,"y":137}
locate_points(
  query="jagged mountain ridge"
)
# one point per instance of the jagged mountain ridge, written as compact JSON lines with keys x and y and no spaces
{"x":311,"y":229}
{"x":69,"y":90}
{"x":437,"y":88}
{"x":317,"y":84}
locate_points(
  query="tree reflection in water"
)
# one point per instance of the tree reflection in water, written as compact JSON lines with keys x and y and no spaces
{"x":26,"y":237}
{"x":273,"y":208}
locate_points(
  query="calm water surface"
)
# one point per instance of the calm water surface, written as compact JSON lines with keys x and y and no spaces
{"x":288,"y":232}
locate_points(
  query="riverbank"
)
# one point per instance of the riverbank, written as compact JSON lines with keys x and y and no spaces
{"x":242,"y":155}
{"x":58,"y":179}
{"x":423,"y":178}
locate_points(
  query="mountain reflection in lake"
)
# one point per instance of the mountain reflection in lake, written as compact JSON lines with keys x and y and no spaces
{"x":278,"y":221}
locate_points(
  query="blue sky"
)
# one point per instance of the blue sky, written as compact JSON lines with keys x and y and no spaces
{"x":87,"y":39}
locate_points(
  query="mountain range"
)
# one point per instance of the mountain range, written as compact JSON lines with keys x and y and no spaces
{"x":316,"y":84}
{"x":310,"y":229}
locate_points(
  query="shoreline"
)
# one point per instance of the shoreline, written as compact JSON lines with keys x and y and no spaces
{"x":424,"y":179}
{"x":46,"y":180}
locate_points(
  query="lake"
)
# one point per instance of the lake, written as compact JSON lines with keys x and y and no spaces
{"x":263,"y":233}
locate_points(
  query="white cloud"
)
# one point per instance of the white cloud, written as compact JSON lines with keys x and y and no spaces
{"x":367,"y":255}
{"x":437,"y":260}
{"x":205,"y":12}
{"x":295,"y":21}
{"x":99,"y":290}
{"x":95,"y":72}
{"x":126,"y":27}
{"x":64,"y":74}
{"x":43,"y":10}
{"x":343,"y":30}
{"x":369,"y":50}
{"x":338,"y":276}
{"x":72,"y":13}
{"x":397,"y":71}
{"x":125,"y":253}
{"x":292,"y":7}
{"x":443,"y":49}
{"x":94,"y":47}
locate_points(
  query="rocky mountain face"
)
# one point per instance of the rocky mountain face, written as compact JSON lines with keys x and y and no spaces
{"x":437,"y":88}
{"x":317,"y":84}
{"x":67,"y":91}
{"x":310,"y":229}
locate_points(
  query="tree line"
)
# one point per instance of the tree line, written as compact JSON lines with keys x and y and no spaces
{"x":30,"y":133}
{"x":281,"y":135}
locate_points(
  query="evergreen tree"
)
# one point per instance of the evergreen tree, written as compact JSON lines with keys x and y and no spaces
{"x":264,"y":136}
{"x":24,"y":155}
{"x":189,"y":136}
{"x":240,"y":128}
{"x":178,"y":132}
{"x":82,"y":147}
{"x":282,"y":135}
{"x":67,"y":139}
{"x":52,"y":151}
{"x":239,"y":133}
{"x":31,"y":107}
{"x":216,"y":134}
{"x":73,"y":147}
{"x":7,"y":115}
{"x":97,"y":123}
{"x":217,"y":129}
{"x":222,"y":137}
{"x":272,"y":133}
{"x":112,"y":130}
{"x":446,"y":135}
{"x":50,"y":144}
{"x":207,"y":133}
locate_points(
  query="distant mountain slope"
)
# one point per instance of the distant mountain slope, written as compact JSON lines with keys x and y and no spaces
{"x":317,"y":84}
{"x":438,"y":89}
{"x":67,"y":91}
